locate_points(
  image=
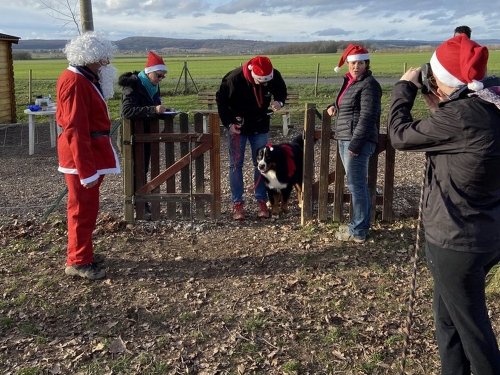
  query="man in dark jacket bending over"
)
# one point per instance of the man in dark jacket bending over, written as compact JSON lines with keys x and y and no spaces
{"x":243,"y":101}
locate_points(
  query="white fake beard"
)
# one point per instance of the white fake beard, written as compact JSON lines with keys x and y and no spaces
{"x":107,"y":75}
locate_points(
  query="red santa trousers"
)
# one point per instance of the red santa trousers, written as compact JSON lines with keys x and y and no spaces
{"x":82,"y":210}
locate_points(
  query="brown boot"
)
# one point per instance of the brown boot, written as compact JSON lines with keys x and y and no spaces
{"x":263,"y":210}
{"x":238,"y":212}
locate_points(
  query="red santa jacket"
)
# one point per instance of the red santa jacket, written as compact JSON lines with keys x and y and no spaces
{"x":83,"y":147}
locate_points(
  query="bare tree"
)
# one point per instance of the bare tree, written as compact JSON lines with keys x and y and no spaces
{"x":66,"y":11}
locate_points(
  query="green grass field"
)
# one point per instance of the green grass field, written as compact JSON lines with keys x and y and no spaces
{"x":206,"y":72}
{"x":214,"y":67}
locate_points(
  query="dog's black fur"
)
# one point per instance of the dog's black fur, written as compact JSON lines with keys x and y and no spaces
{"x":281,"y":167}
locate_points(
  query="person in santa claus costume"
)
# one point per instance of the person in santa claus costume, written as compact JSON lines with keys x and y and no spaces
{"x":461,"y":197}
{"x":84,"y":145}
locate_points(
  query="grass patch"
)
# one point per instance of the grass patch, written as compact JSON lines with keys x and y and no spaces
{"x":291,"y":367}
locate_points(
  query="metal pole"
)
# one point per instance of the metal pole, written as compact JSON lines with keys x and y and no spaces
{"x":86,"y":15}
{"x":185,"y":77}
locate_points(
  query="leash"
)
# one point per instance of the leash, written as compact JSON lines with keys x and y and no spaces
{"x":411,"y":300}
{"x":65,"y":190}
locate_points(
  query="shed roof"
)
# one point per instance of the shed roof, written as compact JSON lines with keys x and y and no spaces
{"x":9,"y":38}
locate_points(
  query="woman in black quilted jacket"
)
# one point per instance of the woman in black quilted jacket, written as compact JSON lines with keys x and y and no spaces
{"x":141,"y":98}
{"x":357,"y":122}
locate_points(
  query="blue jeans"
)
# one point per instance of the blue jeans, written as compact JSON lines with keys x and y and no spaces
{"x":237,"y":146}
{"x":356,"y":169}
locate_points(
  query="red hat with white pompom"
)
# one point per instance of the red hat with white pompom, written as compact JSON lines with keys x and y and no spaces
{"x":155,"y":63}
{"x":460,"y":61}
{"x":352,"y":52}
{"x":261,"y":68}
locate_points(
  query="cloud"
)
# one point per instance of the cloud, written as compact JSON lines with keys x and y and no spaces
{"x":332,"y":32}
{"x":292,"y":20}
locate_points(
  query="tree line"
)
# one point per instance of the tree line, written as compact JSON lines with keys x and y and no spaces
{"x":313,"y":47}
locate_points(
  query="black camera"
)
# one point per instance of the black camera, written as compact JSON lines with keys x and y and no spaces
{"x":425,"y":79}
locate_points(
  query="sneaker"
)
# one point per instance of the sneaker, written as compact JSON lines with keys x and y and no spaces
{"x":263,"y":210}
{"x":345,"y":236}
{"x":88,"y":271}
{"x":238,"y":212}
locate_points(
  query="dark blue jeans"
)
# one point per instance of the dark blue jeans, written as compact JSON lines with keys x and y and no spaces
{"x":356,"y":169}
{"x":465,"y":338}
{"x":237,"y":146}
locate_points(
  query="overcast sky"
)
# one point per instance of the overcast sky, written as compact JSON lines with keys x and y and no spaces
{"x":269,"y":20}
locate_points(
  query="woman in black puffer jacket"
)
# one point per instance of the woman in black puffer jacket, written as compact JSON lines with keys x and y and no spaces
{"x":357,"y":122}
{"x":141,"y":96}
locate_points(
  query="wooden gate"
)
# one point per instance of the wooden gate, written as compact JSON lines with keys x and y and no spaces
{"x":180,"y":187}
{"x":317,"y":191}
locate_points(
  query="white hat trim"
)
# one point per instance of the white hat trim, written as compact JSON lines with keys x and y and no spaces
{"x":155,"y":68}
{"x":263,"y":78}
{"x":442,"y":74}
{"x":361,"y":56}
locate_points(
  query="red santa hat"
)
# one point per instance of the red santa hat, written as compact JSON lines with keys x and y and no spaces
{"x":154,"y":63}
{"x":261,"y":68}
{"x":460,"y":61}
{"x":352,"y":52}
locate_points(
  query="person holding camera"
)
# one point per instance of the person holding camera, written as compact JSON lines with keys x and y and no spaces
{"x":461,"y":201}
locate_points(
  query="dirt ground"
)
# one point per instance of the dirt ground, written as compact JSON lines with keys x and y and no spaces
{"x":205,"y":296}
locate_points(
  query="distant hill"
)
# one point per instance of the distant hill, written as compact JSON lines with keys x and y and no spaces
{"x":171,"y":45}
{"x":223,"y":46}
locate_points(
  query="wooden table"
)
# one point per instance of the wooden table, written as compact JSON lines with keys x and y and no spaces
{"x":51,"y":112}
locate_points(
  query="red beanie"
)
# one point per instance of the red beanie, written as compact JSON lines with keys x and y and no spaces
{"x":154,"y":63}
{"x":460,"y":61}
{"x":352,"y":52}
{"x":261,"y":68}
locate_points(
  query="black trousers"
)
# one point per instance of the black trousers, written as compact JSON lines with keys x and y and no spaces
{"x":465,"y":338}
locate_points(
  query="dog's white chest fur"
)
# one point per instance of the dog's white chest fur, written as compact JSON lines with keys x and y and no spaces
{"x":273,"y":181}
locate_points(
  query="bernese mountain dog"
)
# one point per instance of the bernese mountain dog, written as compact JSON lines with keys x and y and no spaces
{"x":281,"y":167}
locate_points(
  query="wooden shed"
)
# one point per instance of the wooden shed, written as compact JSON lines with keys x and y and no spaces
{"x":7,"y":92}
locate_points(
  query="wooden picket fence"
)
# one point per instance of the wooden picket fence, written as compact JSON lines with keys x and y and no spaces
{"x":318,"y":191}
{"x":181,"y":189}
{"x":179,"y":186}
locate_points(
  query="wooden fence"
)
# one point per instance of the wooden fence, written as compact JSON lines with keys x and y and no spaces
{"x":318,"y":191}
{"x":180,"y":186}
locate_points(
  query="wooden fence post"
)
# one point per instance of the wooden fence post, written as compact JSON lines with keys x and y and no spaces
{"x":324,"y":167}
{"x":128,"y":175}
{"x":308,"y":165}
{"x":199,"y":167}
{"x":169,"y":160}
{"x":214,"y":124}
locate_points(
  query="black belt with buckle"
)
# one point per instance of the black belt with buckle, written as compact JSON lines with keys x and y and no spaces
{"x":99,"y":134}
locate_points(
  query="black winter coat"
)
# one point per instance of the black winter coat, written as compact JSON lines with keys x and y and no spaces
{"x":357,"y":117}
{"x":462,"y":188}
{"x":136,"y":102}
{"x":236,"y":98}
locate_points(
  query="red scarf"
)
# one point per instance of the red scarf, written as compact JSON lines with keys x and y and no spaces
{"x":257,"y":89}
{"x":350,"y":81}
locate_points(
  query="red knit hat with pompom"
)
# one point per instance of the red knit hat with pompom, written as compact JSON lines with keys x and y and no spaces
{"x":261,"y":68}
{"x":154,"y":63}
{"x":352,"y":52}
{"x":460,"y":61}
